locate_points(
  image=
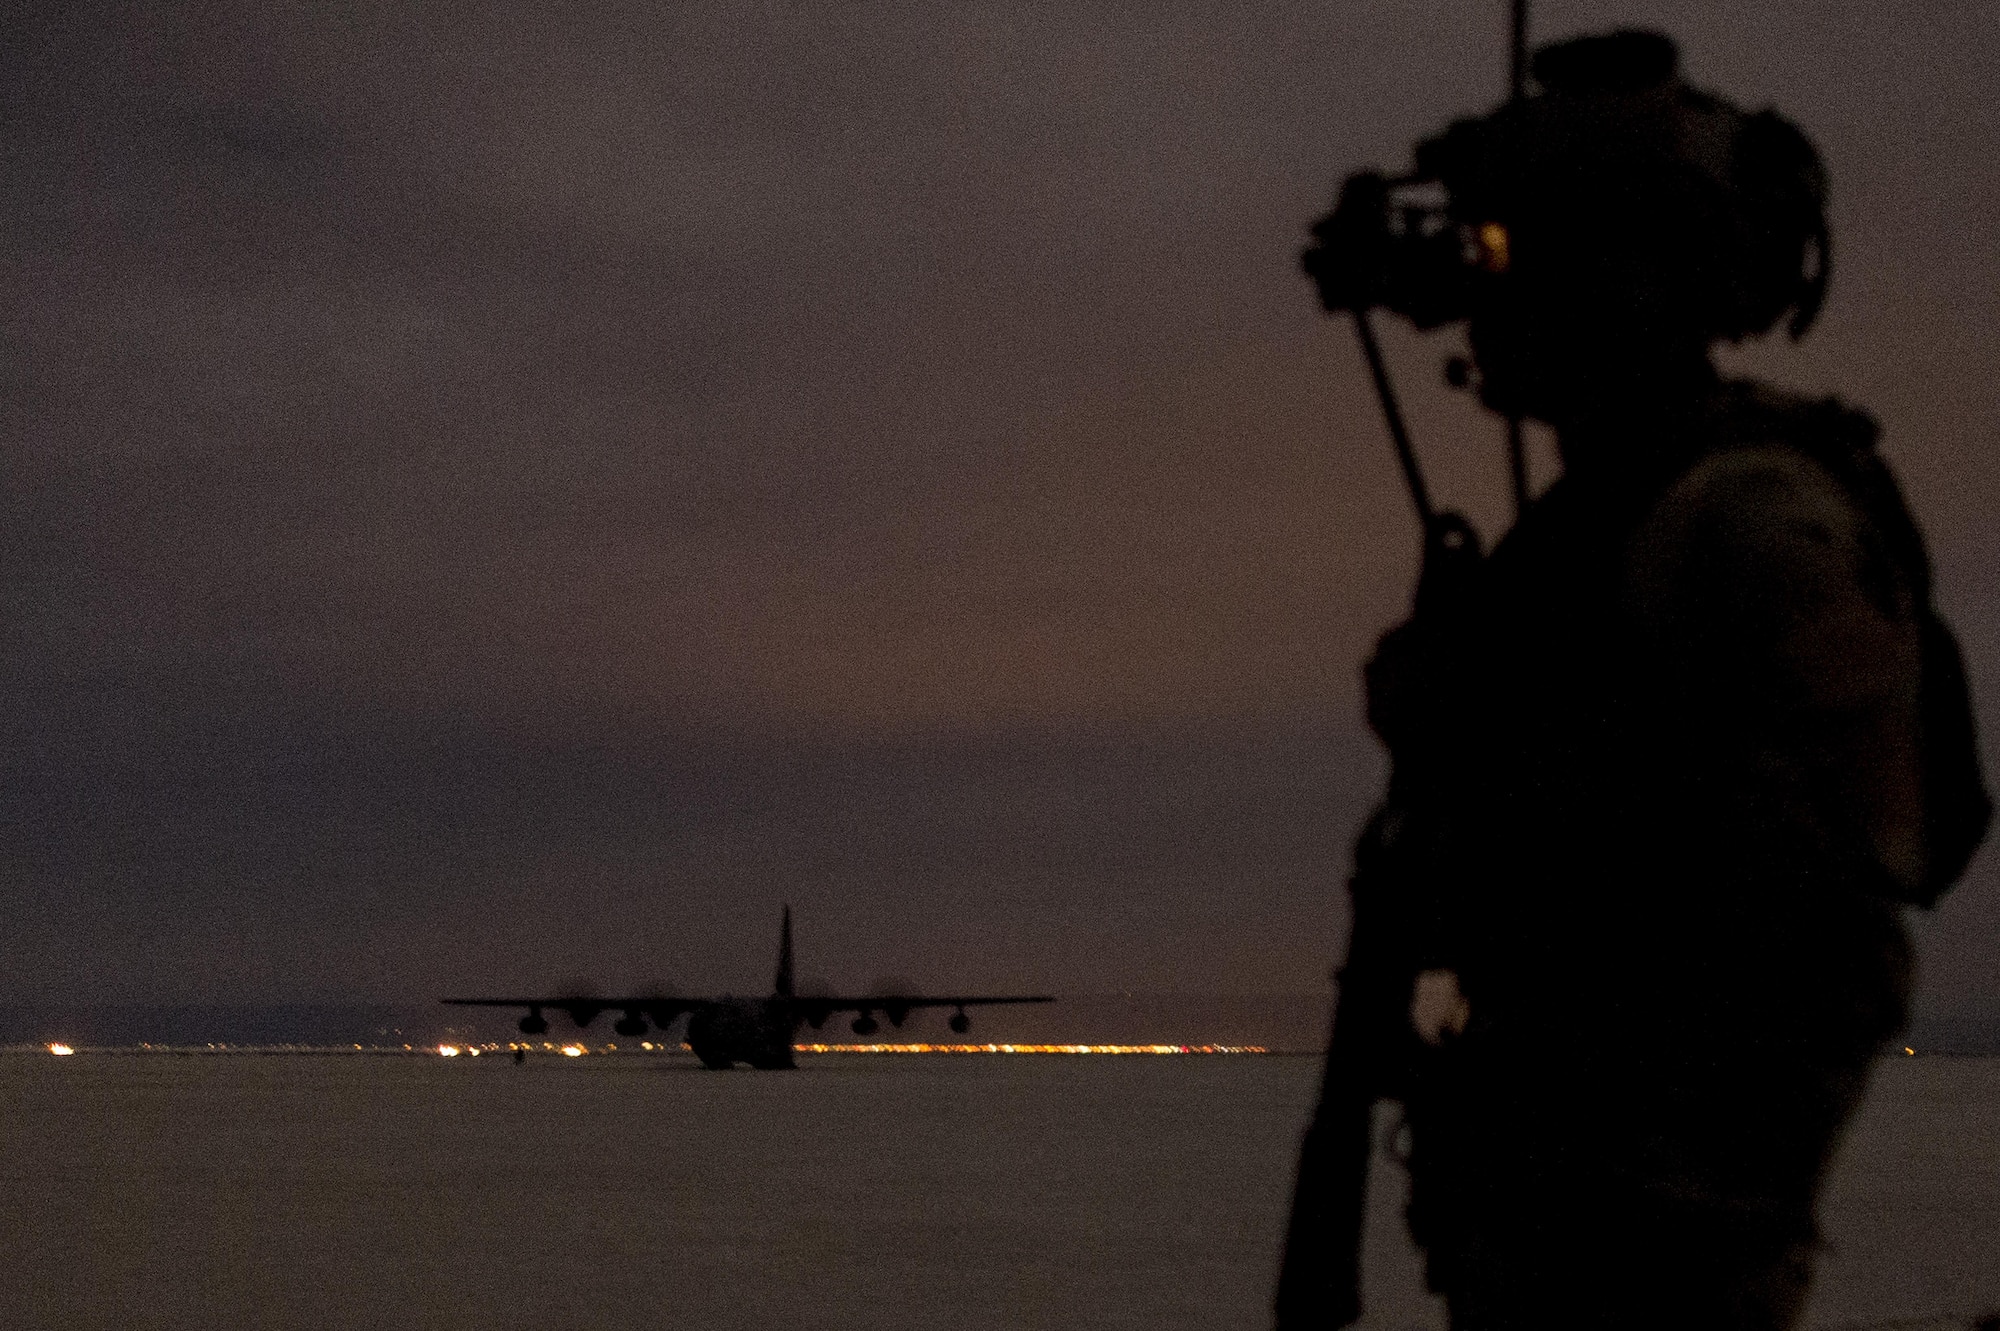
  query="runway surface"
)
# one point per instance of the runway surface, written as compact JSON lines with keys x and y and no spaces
{"x":605,"y":1193}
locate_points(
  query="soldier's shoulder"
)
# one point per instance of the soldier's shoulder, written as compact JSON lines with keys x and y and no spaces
{"x":1753,"y":495}
{"x":1775,"y":463}
{"x":1747,"y":413}
{"x":1760,"y":523}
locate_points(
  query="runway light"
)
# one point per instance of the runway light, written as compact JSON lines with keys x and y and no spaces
{"x":572,"y":1051}
{"x":448,"y":1051}
{"x":61,"y":1050}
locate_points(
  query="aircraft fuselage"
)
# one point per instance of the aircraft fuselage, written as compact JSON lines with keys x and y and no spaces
{"x":756,"y":1031}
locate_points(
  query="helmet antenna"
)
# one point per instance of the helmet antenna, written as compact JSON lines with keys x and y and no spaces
{"x":1517,"y":448}
{"x":1518,"y":70}
{"x":1448,"y":528}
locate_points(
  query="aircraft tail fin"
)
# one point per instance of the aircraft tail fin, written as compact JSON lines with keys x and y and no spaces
{"x":783,"y":984}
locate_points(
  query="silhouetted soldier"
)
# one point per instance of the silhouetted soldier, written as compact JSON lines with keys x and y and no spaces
{"x":1667,"y":765}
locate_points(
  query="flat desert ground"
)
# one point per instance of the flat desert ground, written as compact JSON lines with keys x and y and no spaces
{"x":878,"y":1192}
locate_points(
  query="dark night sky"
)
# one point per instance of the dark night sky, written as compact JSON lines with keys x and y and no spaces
{"x":491,"y":498}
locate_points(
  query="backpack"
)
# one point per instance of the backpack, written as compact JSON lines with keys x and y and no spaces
{"x":1841,"y":440}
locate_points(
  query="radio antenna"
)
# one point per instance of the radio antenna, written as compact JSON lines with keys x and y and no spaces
{"x":1385,"y":392}
{"x":1517,"y":448}
{"x":1399,"y":434}
{"x":1518,"y":69}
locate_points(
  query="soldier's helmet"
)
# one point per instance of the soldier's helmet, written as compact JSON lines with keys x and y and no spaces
{"x":1619,"y":178}
{"x":1614,"y":190}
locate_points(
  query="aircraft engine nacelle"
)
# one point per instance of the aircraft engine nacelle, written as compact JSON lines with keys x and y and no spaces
{"x":959,"y":1023}
{"x":631,"y":1025}
{"x":534,"y":1023}
{"x":865,"y":1024}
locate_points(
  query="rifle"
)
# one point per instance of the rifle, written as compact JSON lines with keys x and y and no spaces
{"x":1372,"y":1052}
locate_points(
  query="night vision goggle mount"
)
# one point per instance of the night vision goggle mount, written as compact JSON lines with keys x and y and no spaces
{"x":1393,"y":243}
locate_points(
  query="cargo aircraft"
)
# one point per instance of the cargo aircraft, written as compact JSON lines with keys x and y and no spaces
{"x":757,"y":1031}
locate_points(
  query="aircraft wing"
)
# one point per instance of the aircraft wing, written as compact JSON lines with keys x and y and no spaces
{"x":911,"y":1002}
{"x":584,"y":1009}
{"x":816,"y":1008}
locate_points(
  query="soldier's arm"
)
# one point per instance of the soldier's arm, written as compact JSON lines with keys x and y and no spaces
{"x":1792,"y":637}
